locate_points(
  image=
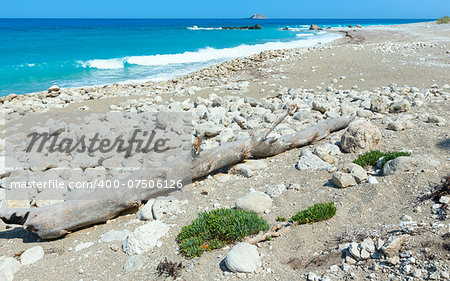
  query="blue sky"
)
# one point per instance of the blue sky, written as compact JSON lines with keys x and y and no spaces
{"x":223,"y":9}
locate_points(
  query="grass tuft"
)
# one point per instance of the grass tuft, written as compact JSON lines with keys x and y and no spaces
{"x":443,"y":20}
{"x":371,"y":158}
{"x":316,"y":213}
{"x":214,"y":229}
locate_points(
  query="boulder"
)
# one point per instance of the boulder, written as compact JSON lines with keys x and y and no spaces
{"x":254,"y":201}
{"x":243,"y":257}
{"x":145,"y":237}
{"x":32,"y":255}
{"x":360,"y":137}
{"x":315,"y":27}
{"x":412,"y":164}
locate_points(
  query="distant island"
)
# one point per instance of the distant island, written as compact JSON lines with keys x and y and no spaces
{"x":258,"y":17}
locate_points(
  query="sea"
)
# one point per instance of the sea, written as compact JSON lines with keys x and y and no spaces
{"x":38,"y":53}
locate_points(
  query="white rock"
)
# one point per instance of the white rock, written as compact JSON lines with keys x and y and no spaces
{"x":275,"y":190}
{"x":356,"y":171}
{"x":166,"y":207}
{"x":145,"y":237}
{"x":343,"y":179}
{"x":372,"y":180}
{"x":83,"y":246}
{"x":114,"y":235}
{"x":368,"y":245}
{"x":254,"y":201}
{"x":146,"y":212}
{"x":32,"y":255}
{"x":414,"y":163}
{"x":309,"y":161}
{"x":8,"y":267}
{"x":134,"y":263}
{"x":327,"y":151}
{"x":243,"y":258}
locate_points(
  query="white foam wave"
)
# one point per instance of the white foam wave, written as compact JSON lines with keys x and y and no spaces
{"x":295,"y":29}
{"x":207,"y":54}
{"x":304,"y":34}
{"x":104,"y":64}
{"x":204,"y":28}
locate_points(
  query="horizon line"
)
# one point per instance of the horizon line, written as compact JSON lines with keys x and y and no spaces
{"x":99,"y":18}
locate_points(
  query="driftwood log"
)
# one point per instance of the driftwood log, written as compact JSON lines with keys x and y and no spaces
{"x":56,"y":220}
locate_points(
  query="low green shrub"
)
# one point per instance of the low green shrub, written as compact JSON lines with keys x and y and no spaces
{"x":316,"y":213}
{"x":371,"y":158}
{"x":281,"y":219}
{"x":214,"y":229}
{"x":442,"y":20}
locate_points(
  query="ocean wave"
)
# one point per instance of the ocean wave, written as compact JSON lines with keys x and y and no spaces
{"x":203,"y":28}
{"x":206,"y":54}
{"x":104,"y":64}
{"x":304,"y":34}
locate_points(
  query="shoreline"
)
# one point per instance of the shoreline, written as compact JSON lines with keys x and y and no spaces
{"x":343,"y":31}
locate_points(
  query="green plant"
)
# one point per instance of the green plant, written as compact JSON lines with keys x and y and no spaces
{"x":214,"y":229}
{"x":371,"y":158}
{"x":281,"y":219}
{"x":316,"y":213}
{"x":442,"y":20}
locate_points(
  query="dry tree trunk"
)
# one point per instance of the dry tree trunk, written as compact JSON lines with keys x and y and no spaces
{"x":59,"y":219}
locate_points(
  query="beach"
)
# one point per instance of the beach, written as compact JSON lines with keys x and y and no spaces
{"x":394,"y":77}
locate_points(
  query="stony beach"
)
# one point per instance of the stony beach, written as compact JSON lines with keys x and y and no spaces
{"x":388,"y":225}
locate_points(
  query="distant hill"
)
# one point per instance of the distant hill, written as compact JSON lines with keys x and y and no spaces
{"x":258,"y":17}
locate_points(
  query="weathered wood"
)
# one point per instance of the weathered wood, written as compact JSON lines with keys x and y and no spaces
{"x":59,"y":219}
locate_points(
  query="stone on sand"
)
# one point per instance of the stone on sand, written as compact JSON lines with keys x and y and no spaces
{"x":254,"y":201}
{"x":145,"y":237}
{"x":243,"y":257}
{"x":32,"y":255}
{"x":360,"y":136}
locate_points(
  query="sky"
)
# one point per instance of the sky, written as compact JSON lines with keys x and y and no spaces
{"x":294,"y":9}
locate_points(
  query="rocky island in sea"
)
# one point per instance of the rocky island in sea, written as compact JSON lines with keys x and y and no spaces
{"x":258,"y":17}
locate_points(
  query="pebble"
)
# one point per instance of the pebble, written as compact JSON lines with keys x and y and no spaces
{"x":32,"y":255}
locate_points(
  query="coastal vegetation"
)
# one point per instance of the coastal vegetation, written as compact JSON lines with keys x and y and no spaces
{"x":371,"y":158}
{"x":442,"y":20}
{"x":316,"y":213}
{"x":214,"y":229}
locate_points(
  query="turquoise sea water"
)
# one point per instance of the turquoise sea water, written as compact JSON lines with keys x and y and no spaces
{"x":37,"y":53}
